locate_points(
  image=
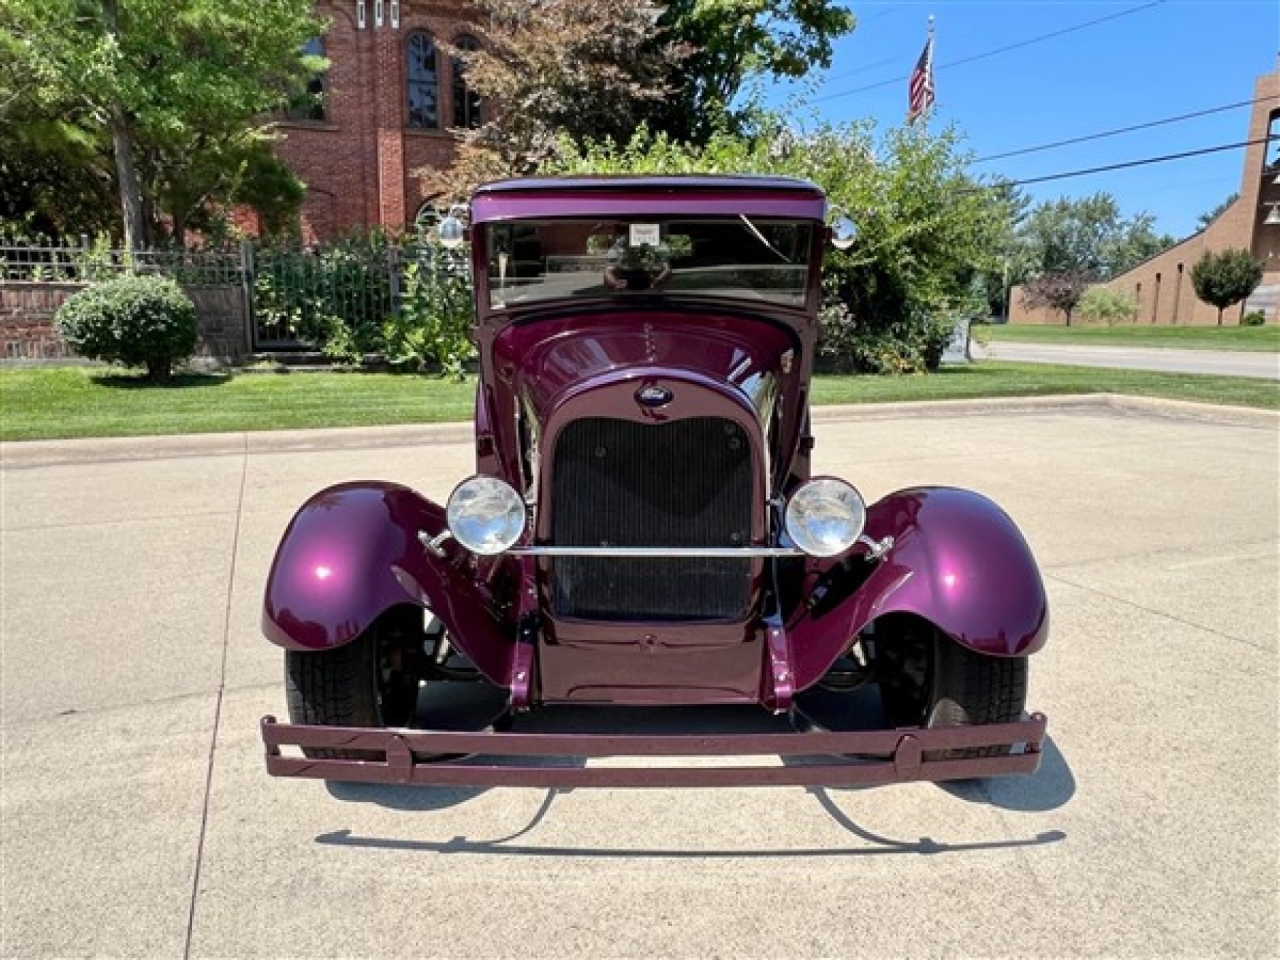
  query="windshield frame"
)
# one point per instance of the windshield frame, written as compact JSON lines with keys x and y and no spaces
{"x":580,"y":259}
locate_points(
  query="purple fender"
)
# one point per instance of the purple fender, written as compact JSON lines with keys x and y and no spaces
{"x":957,"y":560}
{"x":352,"y":552}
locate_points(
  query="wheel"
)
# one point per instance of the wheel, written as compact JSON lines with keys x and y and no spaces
{"x":370,"y":682}
{"x":928,"y":680}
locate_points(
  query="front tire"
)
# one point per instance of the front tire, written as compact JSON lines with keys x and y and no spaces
{"x":929,"y":680}
{"x":370,"y":682}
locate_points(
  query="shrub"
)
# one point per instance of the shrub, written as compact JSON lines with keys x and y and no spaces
{"x":138,"y":321}
{"x":1110,"y":306}
{"x":333,"y":297}
{"x":433,"y":326}
{"x":1254,"y":318}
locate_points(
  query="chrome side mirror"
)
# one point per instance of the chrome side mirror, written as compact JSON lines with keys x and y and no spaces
{"x":450,"y":230}
{"x":843,"y":232}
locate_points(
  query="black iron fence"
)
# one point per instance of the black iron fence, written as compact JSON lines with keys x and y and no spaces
{"x":89,"y":262}
{"x":294,"y":298}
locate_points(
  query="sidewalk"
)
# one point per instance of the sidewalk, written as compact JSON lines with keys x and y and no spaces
{"x":1230,"y":363}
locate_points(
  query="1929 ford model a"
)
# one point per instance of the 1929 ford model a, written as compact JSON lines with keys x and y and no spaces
{"x":644,"y":528}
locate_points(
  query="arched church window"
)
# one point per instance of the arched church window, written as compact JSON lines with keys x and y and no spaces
{"x":423,"y":77}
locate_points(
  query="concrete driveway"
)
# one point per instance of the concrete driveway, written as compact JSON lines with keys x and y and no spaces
{"x":1264,"y":366}
{"x":138,"y":821}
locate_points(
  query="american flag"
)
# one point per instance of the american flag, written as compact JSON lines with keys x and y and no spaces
{"x":920,"y":91}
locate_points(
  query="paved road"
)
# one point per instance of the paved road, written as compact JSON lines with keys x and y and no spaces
{"x":136,"y":820}
{"x":1228,"y":363}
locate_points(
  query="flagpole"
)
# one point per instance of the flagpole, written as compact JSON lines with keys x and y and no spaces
{"x":929,"y":109}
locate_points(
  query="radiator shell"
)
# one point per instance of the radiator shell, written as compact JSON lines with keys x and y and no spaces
{"x":682,"y":483}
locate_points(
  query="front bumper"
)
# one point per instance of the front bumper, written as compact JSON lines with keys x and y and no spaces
{"x":862,"y":758}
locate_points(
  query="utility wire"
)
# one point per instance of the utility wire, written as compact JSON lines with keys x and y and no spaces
{"x":999,"y":50}
{"x":1119,"y":166}
{"x":1121,"y":130}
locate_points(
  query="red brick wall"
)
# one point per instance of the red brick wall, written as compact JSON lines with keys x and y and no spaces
{"x":358,"y":163}
{"x":26,"y":320}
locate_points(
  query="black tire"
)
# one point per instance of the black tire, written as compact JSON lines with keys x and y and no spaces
{"x":929,"y":680}
{"x":370,"y":682}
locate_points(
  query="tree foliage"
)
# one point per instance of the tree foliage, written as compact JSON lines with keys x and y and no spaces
{"x":54,"y":180}
{"x":924,"y":231}
{"x":732,"y":41}
{"x":1109,"y":306}
{"x":1088,"y":236}
{"x":1209,"y":216}
{"x":582,"y":69}
{"x":596,"y":70}
{"x":1225,"y":277}
{"x":1061,"y":290}
{"x":167,"y":95}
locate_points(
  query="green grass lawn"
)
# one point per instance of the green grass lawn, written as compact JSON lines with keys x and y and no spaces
{"x":90,"y":402}
{"x":1261,"y":339}
{"x":66,"y":402}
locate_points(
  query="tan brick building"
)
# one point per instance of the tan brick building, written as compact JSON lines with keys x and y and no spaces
{"x":391,"y":96}
{"x":1162,"y":285}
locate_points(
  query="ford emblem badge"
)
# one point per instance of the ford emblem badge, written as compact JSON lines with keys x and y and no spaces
{"x":653,"y":396}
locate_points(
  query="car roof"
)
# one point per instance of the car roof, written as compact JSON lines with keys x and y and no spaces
{"x":630,"y":195}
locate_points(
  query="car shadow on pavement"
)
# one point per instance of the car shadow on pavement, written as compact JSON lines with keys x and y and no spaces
{"x":1051,"y":787}
{"x":875,"y":845}
{"x":925,"y":845}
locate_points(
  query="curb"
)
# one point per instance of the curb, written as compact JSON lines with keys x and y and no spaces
{"x":1106,"y":402}
{"x":25,"y":454}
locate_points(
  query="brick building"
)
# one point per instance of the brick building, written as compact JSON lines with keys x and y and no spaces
{"x":1162,"y":285}
{"x":390,"y":98}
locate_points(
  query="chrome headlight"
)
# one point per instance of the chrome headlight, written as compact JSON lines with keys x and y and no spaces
{"x":825,"y":517}
{"x":485,"y":515}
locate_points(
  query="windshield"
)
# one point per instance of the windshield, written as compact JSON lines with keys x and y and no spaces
{"x":751,"y":259}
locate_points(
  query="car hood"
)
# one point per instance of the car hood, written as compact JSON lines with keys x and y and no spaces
{"x":547,"y":362}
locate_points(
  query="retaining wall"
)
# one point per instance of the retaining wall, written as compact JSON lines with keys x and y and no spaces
{"x":27,"y":311}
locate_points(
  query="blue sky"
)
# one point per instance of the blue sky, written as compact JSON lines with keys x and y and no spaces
{"x":1163,"y":59}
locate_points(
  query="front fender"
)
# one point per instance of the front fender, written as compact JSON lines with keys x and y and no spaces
{"x":352,"y":552}
{"x":957,"y":561}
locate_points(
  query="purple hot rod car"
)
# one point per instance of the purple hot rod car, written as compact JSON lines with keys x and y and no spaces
{"x":644,"y":528}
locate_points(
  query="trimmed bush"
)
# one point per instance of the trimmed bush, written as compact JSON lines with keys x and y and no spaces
{"x":137,"y":321}
{"x":1254,"y":318}
{"x":1225,"y":277}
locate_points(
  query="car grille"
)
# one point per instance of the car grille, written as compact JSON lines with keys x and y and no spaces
{"x":686,"y":483}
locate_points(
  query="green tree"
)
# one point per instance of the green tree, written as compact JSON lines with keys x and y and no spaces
{"x":1225,"y":278}
{"x":53,"y":181}
{"x":1010,"y":263}
{"x":1089,"y":236}
{"x":1209,"y":216}
{"x":925,"y":231}
{"x":733,"y":41}
{"x":175,"y":90}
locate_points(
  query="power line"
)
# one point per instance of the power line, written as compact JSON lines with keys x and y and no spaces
{"x":999,"y":50}
{"x":1165,"y":158}
{"x":1121,"y":130}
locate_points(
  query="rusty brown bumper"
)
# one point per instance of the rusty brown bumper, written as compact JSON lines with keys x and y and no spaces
{"x":863,"y":758}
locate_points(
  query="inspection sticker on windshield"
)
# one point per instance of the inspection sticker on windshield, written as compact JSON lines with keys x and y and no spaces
{"x":644,"y":234}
